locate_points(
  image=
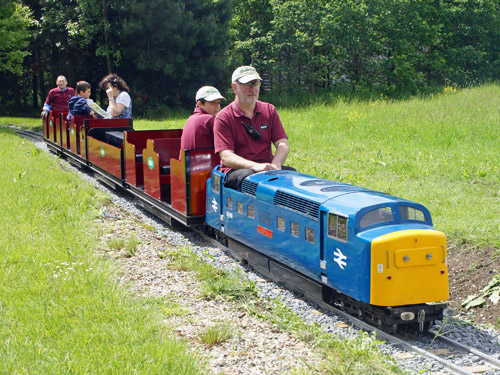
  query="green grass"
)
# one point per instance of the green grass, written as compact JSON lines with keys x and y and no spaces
{"x":216,"y":283}
{"x":355,"y":356}
{"x":440,"y":151}
{"x":216,"y":333}
{"x":61,"y":309}
{"x":24,"y":122}
{"x":127,"y":245}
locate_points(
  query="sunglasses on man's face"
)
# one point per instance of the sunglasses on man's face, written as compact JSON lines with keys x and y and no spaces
{"x":251,"y":84}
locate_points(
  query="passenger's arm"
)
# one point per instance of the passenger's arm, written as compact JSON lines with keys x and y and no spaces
{"x":282,"y":150}
{"x":231,"y":160}
{"x":115,"y":108}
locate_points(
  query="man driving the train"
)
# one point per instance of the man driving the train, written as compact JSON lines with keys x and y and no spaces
{"x":245,"y":131}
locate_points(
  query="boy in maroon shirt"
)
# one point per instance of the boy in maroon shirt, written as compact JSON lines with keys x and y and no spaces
{"x":58,"y":97}
{"x":245,"y":131}
{"x":199,"y":129}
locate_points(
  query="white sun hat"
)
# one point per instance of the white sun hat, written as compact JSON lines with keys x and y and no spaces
{"x":209,"y":93}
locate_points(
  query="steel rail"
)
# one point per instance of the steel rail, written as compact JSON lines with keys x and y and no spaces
{"x":493,"y":362}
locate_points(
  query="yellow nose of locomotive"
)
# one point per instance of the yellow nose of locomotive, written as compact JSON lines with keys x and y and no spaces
{"x":409,"y":267}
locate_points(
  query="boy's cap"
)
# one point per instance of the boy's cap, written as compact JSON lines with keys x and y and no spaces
{"x":245,"y":74}
{"x":209,"y":93}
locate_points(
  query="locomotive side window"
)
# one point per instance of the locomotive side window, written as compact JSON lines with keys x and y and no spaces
{"x":342,"y":228}
{"x":251,"y":212}
{"x":412,"y":213}
{"x":230,"y":203}
{"x":337,"y":227}
{"x":281,"y":224}
{"x":216,"y":183}
{"x":239,"y":207}
{"x":377,"y":216}
{"x":310,"y":235}
{"x":294,"y":229}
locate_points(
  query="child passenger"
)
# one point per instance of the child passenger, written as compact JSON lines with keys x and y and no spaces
{"x":199,"y":129}
{"x":77,"y":105}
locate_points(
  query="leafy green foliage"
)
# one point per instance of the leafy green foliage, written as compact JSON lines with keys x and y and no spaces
{"x":166,"y":49}
{"x":397,"y":48}
{"x":178,"y":47}
{"x":489,"y":294}
{"x":15,"y":20}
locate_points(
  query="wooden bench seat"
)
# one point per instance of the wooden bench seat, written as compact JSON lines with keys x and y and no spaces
{"x":156,"y":156}
{"x":134,"y":143}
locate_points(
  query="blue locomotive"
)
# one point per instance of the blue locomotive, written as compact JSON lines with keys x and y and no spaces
{"x":353,"y":246}
{"x":370,"y":253}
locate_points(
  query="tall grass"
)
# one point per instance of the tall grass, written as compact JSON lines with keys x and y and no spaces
{"x":61,"y":310}
{"x":441,"y":151}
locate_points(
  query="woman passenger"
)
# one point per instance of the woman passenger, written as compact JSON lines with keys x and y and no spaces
{"x":120,"y":103}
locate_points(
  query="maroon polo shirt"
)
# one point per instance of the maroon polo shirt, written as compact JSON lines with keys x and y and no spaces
{"x":58,"y":100}
{"x":198,"y":131}
{"x":230,"y":134}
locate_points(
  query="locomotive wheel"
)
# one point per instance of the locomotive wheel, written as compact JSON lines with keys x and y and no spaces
{"x":389,"y":328}
{"x":392,"y":329}
{"x":361,"y":314}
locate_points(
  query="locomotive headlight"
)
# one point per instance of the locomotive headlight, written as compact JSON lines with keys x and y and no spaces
{"x":407,"y":316}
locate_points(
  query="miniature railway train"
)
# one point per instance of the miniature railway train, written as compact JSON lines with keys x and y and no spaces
{"x":371,"y":254}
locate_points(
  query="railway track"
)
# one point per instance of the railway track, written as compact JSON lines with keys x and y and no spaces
{"x":453,"y":356}
{"x":450,"y":354}
{"x":459,"y":350}
{"x":30,"y":135}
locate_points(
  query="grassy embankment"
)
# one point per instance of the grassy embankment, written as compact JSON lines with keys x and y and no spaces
{"x":61,"y":309}
{"x":440,"y":151}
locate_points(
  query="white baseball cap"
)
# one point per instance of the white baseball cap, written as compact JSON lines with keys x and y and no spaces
{"x":209,"y":93}
{"x":245,"y":74}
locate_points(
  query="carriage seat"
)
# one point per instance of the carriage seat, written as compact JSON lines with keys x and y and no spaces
{"x":115,"y":138}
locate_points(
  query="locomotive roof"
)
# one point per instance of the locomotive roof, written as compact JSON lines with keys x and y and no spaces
{"x":297,"y":190}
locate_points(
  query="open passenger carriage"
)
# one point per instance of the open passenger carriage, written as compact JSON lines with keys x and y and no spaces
{"x":169,"y":182}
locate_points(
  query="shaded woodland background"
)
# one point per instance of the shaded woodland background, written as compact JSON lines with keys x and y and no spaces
{"x":305,"y":49}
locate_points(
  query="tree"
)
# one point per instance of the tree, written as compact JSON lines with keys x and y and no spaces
{"x":15,"y":20}
{"x":250,"y":23}
{"x":172,"y":48}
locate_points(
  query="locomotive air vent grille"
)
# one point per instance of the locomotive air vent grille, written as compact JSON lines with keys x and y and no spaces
{"x":318,"y":183}
{"x":265,"y":218}
{"x":303,"y":206}
{"x":249,"y":187}
{"x":280,"y":171}
{"x":343,"y":188}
